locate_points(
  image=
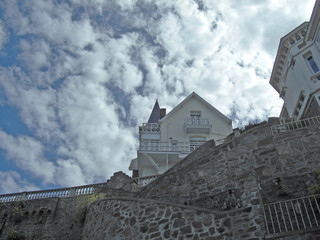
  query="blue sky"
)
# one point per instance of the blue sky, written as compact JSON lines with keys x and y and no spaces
{"x":77,"y":78}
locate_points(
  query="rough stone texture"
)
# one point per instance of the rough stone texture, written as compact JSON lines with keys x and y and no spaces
{"x":148,"y":219}
{"x":120,"y":184}
{"x":250,"y":165}
{"x":42,"y":219}
{"x":186,"y":201}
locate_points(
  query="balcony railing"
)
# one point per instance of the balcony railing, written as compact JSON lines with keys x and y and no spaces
{"x":144,"y":181}
{"x":197,"y":121}
{"x":292,"y":215}
{"x":52,"y":193}
{"x":169,"y":146}
{"x":193,"y":125}
{"x":150,"y":128}
{"x":295,"y":125}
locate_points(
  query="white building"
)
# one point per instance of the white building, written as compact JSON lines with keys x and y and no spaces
{"x":166,"y":139}
{"x":295,"y":74}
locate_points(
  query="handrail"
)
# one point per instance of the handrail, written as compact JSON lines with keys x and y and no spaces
{"x":275,"y":129}
{"x":291,"y":215}
{"x":150,"y":127}
{"x":144,"y":181}
{"x":168,"y":146}
{"x":50,"y":193}
{"x":197,"y":121}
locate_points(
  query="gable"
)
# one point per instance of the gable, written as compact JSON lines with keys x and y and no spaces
{"x":192,"y":100}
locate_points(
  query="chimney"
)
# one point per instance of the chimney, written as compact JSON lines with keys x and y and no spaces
{"x":162,"y":112}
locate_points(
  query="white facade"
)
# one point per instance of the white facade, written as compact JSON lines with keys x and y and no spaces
{"x":296,"y":74}
{"x":165,"y":142}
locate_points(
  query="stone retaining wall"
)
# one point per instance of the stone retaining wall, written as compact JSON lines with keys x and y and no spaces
{"x":146,"y":219}
{"x":245,"y":165}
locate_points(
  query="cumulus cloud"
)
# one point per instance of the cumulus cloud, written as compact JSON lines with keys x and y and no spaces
{"x":88,"y":73}
{"x":28,"y":154}
{"x":11,"y":182}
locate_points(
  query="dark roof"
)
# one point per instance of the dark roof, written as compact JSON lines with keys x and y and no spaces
{"x":155,"y":115}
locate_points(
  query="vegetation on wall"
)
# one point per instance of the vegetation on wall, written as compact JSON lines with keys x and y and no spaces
{"x":252,"y":124}
{"x":83,"y":202}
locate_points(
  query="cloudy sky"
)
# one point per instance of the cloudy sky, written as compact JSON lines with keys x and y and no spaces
{"x":77,"y":78}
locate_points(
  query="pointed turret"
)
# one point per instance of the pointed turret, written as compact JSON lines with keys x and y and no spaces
{"x":155,"y":114}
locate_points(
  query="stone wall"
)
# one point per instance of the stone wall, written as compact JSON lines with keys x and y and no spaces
{"x":186,"y":202}
{"x":245,"y":165}
{"x":148,"y":219}
{"x":56,"y":218}
{"x":41,"y":219}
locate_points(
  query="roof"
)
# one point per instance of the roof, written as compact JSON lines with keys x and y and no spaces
{"x":187,"y":99}
{"x":314,"y":21}
{"x":310,"y":29}
{"x":134,"y":164}
{"x":155,"y":114}
{"x":282,"y":53}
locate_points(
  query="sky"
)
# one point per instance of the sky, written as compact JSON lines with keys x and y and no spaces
{"x":77,"y":78}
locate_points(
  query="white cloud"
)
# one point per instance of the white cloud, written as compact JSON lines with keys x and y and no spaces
{"x":28,"y":154}
{"x":11,"y":182}
{"x":3,"y":35}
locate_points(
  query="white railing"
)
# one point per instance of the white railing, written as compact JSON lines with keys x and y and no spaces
{"x":144,"y":181}
{"x":168,"y":146}
{"x":52,"y":193}
{"x":197,"y":121}
{"x":295,"y":125}
{"x":292,"y":215}
{"x":150,"y":127}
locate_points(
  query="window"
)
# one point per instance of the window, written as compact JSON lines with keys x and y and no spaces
{"x":299,"y":104}
{"x":195,"y":142}
{"x":313,"y":64}
{"x":195,"y":117}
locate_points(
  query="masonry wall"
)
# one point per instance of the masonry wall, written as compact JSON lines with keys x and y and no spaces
{"x":127,"y":218}
{"x":251,"y":165}
{"x":57,"y":218}
{"x":42,"y":219}
{"x":186,"y":202}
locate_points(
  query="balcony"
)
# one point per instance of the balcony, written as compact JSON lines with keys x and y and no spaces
{"x":168,"y":146}
{"x":197,"y":125}
{"x":149,"y":128}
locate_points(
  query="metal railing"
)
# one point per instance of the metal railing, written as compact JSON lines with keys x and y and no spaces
{"x":144,"y":181}
{"x":52,"y":193}
{"x":197,"y":121}
{"x":292,"y":215}
{"x":295,"y":125}
{"x":169,"y":146}
{"x":150,"y":127}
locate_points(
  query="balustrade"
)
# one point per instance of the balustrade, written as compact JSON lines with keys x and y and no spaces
{"x":295,"y":125}
{"x":196,"y":121}
{"x":144,"y":181}
{"x":52,"y":193}
{"x":150,"y":127}
{"x":168,"y":146}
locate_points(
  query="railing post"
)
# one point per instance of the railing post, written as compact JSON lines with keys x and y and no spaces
{"x":24,"y":196}
{"x":72,"y":192}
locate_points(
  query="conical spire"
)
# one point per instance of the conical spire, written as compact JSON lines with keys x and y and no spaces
{"x":155,"y":114}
